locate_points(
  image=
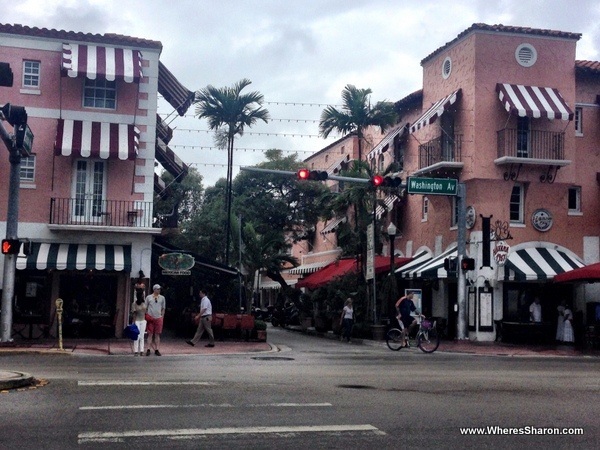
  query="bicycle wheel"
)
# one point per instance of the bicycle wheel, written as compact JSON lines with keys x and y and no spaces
{"x":428,"y":341}
{"x":393,"y":339}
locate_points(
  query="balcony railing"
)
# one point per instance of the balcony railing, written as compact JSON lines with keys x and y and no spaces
{"x":532,"y":144}
{"x":97,"y":212}
{"x":440,"y":150}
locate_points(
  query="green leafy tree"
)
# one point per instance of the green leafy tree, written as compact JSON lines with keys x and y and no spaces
{"x":229,"y":112}
{"x":357,"y":115}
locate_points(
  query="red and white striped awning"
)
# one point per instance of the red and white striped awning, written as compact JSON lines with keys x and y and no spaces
{"x":170,"y":161}
{"x":389,"y":203}
{"x":435,"y":111}
{"x":109,"y":63}
{"x":383,"y":145}
{"x":533,"y":101}
{"x":96,"y":139}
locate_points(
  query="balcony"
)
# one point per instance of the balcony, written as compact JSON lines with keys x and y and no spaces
{"x":440,"y":155}
{"x":533,"y":148}
{"x":100,"y":215}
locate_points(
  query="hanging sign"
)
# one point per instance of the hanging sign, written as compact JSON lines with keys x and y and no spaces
{"x":176,"y":263}
{"x":501,"y":252}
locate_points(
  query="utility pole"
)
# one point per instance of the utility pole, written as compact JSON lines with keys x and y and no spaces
{"x":461,"y":200}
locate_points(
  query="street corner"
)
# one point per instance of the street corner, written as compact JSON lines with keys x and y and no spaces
{"x":13,"y":380}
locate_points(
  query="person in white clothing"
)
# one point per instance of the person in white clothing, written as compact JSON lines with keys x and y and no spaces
{"x":560,"y":325}
{"x":535,"y":311}
{"x":347,"y":319}
{"x":568,"y":335}
{"x":204,"y":318}
{"x":138,"y":311}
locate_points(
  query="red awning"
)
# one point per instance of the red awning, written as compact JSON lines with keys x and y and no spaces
{"x":108,"y":63}
{"x":342,"y":267}
{"x":96,"y":139}
{"x":589,"y":274}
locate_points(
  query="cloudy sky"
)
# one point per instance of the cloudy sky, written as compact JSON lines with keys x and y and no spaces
{"x":298,"y":53}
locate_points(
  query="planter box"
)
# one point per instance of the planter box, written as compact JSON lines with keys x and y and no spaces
{"x":261,"y":335}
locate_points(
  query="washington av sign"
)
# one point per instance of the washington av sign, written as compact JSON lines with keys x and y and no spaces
{"x":432,"y":186}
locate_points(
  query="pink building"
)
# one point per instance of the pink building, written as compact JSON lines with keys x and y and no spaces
{"x":510,"y":114}
{"x":87,"y":190}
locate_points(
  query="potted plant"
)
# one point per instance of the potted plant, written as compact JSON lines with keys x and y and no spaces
{"x":260,"y":327}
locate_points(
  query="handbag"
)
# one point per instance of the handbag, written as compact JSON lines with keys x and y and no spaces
{"x":131,"y":331}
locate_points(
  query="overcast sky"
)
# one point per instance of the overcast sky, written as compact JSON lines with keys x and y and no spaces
{"x":296,"y":51}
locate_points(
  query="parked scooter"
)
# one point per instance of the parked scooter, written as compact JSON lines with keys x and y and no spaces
{"x":289,"y":315}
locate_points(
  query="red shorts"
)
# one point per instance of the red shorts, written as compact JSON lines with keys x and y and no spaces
{"x":155,"y":325}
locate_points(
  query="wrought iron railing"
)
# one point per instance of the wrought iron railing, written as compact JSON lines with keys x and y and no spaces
{"x":441,"y":149}
{"x":97,"y":212}
{"x":534,"y":144}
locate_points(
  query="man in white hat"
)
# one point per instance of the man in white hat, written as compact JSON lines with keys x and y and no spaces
{"x":156,"y":305}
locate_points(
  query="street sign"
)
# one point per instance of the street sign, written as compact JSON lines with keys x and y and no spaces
{"x":432,"y":186}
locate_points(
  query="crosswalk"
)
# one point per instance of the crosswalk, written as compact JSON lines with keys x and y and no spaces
{"x":165,"y":434}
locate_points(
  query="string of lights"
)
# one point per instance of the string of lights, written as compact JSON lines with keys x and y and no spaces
{"x":255,"y":133}
{"x":242,"y":149}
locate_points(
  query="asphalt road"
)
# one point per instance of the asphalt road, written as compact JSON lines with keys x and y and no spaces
{"x":314,"y":393}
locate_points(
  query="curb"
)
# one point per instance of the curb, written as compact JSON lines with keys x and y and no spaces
{"x":14,"y":380}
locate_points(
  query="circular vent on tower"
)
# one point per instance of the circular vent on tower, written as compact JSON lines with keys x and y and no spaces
{"x":446,"y":68}
{"x":526,"y":55}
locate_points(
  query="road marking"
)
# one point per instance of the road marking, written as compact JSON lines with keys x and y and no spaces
{"x":204,"y":405}
{"x":98,"y":436}
{"x":145,"y":383}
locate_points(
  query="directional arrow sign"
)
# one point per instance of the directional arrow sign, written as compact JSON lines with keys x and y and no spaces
{"x":432,"y":186}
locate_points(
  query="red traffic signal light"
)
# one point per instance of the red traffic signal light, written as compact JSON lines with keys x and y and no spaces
{"x":317,"y":175}
{"x":376,"y":180}
{"x":10,"y":246}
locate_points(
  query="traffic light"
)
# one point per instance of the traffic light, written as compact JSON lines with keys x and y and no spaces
{"x":450,"y":265}
{"x":467,"y":264}
{"x":6,"y":75}
{"x":317,"y":175}
{"x":10,"y":246}
{"x":391,"y":180}
{"x":15,"y":115}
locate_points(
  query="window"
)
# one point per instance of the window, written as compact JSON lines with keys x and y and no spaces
{"x":27,"y":173}
{"x":516,"y":204}
{"x":100,"y":94}
{"x":326,"y":158}
{"x":425,"y":210}
{"x":454,"y":218}
{"x":31,"y":74}
{"x":380,"y":164}
{"x":575,"y":199}
{"x":578,"y":121}
{"x":523,"y":137}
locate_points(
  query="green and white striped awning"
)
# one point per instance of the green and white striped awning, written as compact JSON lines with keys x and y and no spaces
{"x":76,"y":257}
{"x":538,"y":263}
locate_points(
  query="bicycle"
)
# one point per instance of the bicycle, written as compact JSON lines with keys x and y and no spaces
{"x":427,"y":337}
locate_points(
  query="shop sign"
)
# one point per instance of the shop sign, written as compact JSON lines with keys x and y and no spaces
{"x":501,"y":252}
{"x":176,"y":263}
{"x":542,"y":220}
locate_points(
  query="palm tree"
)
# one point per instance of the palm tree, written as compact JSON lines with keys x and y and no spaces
{"x":228,"y":112}
{"x":357,"y":115}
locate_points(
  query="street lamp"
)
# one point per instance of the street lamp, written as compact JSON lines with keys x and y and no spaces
{"x":391,"y":231}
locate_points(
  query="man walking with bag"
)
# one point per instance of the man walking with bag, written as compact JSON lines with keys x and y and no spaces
{"x":204,"y":318}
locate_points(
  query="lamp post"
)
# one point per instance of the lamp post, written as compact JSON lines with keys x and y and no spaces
{"x":391,"y":231}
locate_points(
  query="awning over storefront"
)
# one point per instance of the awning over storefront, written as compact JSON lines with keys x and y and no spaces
{"x":383,"y":145}
{"x":389,"y":203}
{"x":97,"y":62}
{"x":274,"y":284}
{"x":178,"y":96}
{"x":589,"y":274}
{"x":342,"y":164}
{"x":538,"y":263}
{"x":333,"y":224}
{"x":417,"y":261}
{"x":435,"y":267}
{"x":533,"y":101}
{"x":308,"y":268}
{"x":432,"y":114}
{"x":96,"y":139}
{"x":76,"y":257}
{"x":343,"y":267}
{"x":170,"y":161}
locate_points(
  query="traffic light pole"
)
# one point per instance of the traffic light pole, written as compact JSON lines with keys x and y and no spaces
{"x":293,"y":174}
{"x":12,"y":223}
{"x":461,"y":200}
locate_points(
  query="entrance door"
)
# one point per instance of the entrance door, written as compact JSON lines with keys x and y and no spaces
{"x":447,"y":125}
{"x":89,"y":190}
{"x":523,"y":137}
